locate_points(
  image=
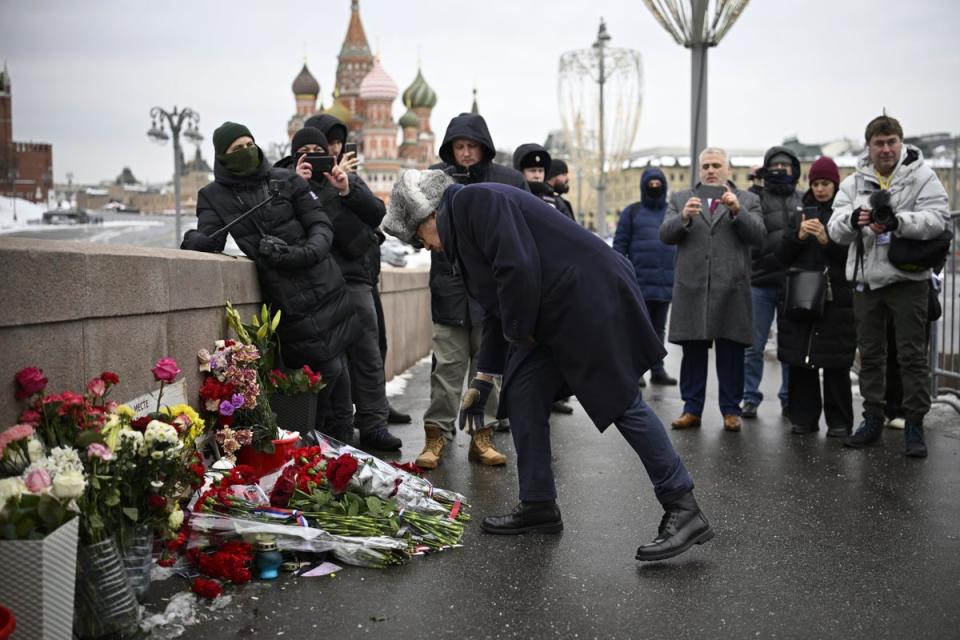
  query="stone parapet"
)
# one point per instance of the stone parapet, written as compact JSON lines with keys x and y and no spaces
{"x":75,"y":309}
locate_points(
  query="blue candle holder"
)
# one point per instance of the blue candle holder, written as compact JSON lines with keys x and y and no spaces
{"x":268,"y":559}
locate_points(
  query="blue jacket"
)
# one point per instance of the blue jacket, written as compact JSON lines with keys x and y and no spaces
{"x":638,"y":238}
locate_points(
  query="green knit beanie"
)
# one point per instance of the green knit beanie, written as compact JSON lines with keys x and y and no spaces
{"x":225,"y":135}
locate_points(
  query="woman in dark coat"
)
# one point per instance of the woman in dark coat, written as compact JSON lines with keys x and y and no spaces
{"x":289,"y":239}
{"x":829,"y":342}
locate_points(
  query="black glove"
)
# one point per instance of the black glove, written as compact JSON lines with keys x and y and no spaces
{"x":855,"y":218}
{"x":194,"y":240}
{"x":272,"y":248}
{"x":295,"y":257}
{"x":474,"y":402}
{"x":894,"y":225}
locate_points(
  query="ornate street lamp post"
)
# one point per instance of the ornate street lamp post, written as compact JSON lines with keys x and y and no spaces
{"x":176,"y":120}
{"x":697,"y":25}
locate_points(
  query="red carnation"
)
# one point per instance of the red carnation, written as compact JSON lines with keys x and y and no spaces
{"x":156,"y":502}
{"x":30,"y":381}
{"x":140,"y":424}
{"x":110,"y":377}
{"x":206,"y":588}
{"x":340,"y":471}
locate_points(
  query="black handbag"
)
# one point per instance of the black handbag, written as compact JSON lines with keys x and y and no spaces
{"x":805,"y":294}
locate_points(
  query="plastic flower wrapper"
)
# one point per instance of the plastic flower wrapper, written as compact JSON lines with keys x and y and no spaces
{"x":374,"y":551}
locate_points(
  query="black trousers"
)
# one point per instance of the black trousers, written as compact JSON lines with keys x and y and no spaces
{"x":658,"y":318}
{"x":806,"y":402}
{"x":366,"y":364}
{"x":334,"y":405}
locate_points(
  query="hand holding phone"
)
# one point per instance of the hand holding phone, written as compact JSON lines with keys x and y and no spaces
{"x":710,"y":191}
{"x":320,"y":164}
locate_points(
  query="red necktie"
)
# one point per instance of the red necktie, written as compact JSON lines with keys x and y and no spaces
{"x":713,"y":206}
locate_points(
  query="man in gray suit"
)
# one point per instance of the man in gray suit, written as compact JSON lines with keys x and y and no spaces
{"x":714,"y":226}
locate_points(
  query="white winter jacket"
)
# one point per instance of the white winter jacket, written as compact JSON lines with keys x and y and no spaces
{"x":919,"y":201}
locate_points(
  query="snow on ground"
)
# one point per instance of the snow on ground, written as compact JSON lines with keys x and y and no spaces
{"x":398,"y":383}
{"x":26,"y":211}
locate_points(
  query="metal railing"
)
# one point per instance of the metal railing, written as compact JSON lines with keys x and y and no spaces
{"x":945,"y":333}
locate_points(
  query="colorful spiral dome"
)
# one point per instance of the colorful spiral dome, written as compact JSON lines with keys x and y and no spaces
{"x":419,"y":94}
{"x":378,"y":85}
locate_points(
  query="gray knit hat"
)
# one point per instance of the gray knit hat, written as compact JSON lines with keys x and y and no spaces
{"x":416,"y":194}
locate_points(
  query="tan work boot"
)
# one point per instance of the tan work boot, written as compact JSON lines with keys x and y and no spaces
{"x":429,"y":458}
{"x":482,"y":451}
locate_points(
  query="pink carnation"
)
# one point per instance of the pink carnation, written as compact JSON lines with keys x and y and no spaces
{"x":97,"y":387}
{"x":97,"y":450}
{"x":14,"y":433}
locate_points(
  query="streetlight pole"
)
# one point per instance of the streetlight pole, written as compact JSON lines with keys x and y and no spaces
{"x":602,"y":38}
{"x":176,"y":120}
{"x":13,"y":173}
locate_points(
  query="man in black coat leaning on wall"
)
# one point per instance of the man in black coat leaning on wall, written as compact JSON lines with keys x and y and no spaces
{"x":467,"y":152}
{"x":561,"y":311}
{"x":289,"y":239}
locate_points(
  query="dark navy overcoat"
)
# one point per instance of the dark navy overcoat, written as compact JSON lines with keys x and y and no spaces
{"x":543,"y":280}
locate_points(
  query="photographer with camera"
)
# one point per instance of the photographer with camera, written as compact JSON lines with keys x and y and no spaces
{"x":278,"y":222}
{"x":894,"y":201}
{"x":355,"y":214}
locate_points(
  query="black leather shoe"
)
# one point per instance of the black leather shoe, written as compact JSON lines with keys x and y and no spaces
{"x":867,"y":434}
{"x":381,"y":439}
{"x":561,"y":407}
{"x":838,"y":432}
{"x":749,"y":410}
{"x":663,"y":379}
{"x":395,"y":417}
{"x":527,"y":517}
{"x":914,"y":445}
{"x":803,"y":429}
{"x":682,"y":526}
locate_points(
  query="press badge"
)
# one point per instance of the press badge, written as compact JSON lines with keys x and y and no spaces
{"x":883,"y":238}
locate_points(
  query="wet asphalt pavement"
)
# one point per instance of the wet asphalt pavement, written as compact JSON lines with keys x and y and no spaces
{"x":813,"y":541}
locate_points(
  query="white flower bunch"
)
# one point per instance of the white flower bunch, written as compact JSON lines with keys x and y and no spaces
{"x":11,"y":488}
{"x":60,"y":460}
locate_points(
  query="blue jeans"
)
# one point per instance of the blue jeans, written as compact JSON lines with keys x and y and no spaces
{"x":530,"y":393}
{"x":765,"y":301}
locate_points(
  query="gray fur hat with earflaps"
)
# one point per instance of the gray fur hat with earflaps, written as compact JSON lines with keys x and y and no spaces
{"x":416,"y":194}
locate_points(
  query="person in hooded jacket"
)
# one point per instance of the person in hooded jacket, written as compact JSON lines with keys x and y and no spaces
{"x":467,"y":154}
{"x":355,"y":214}
{"x":533,"y":161}
{"x":829,"y":342}
{"x":778,"y":200}
{"x":289,"y":239}
{"x":336,"y":133}
{"x":638,"y":238}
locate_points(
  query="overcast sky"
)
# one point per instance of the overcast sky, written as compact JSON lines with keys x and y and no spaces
{"x":85,"y":74}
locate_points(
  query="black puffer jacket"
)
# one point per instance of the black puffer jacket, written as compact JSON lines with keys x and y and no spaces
{"x":449,"y":301}
{"x":765,"y":269}
{"x":317,"y":319}
{"x":546,"y":193}
{"x":355,"y":218}
{"x":831,"y":340}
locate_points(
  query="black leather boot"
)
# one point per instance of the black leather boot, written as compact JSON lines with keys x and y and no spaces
{"x":867,"y":434}
{"x":682,"y":526}
{"x":914,"y":445}
{"x":527,"y":517}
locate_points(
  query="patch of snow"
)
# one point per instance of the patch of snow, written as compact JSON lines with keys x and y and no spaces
{"x":26,"y":211}
{"x":398,"y":383}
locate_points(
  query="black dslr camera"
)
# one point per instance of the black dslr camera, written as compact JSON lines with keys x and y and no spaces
{"x":880,"y":210}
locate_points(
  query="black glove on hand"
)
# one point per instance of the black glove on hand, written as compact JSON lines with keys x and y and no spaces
{"x":272,"y":248}
{"x":472,"y":407}
{"x":194,"y":240}
{"x":855,"y":218}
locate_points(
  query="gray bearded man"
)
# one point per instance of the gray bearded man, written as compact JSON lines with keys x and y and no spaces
{"x":545,"y":283}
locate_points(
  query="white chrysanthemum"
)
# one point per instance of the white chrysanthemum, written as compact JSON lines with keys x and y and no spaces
{"x":11,"y":488}
{"x":63,"y":459}
{"x":160,"y":433}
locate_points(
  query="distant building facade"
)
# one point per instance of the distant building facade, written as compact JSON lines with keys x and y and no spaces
{"x":26,"y":168}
